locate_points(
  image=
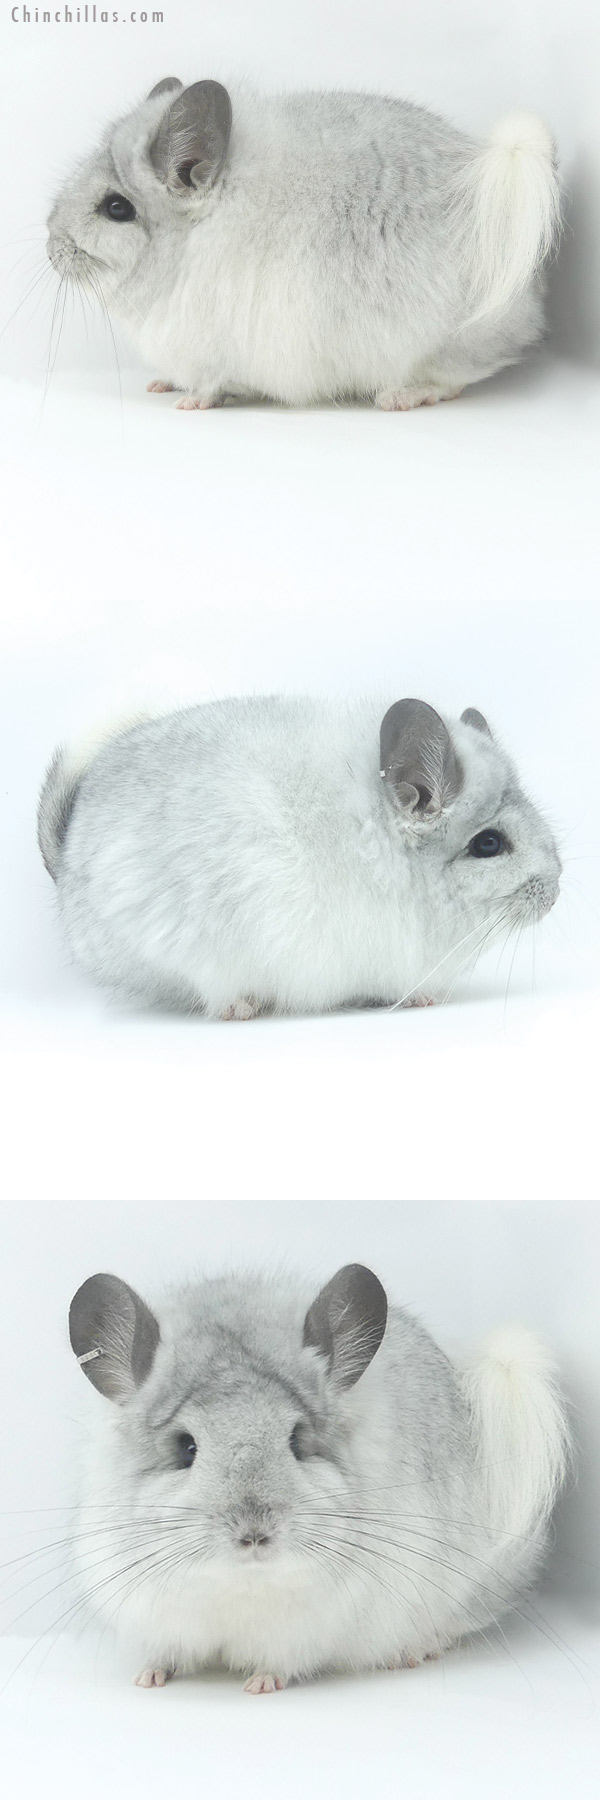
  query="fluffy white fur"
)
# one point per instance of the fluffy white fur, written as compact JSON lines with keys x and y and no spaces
{"x":508,"y":206}
{"x":520,"y":1423}
{"x":417,"y":1514}
{"x":331,"y":245}
{"x":246,"y":855}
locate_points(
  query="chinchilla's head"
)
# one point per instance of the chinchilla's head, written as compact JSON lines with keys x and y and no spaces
{"x":143,"y":187}
{"x":480,"y":852}
{"x":235,"y":1423}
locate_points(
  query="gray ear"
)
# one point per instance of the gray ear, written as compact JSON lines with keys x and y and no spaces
{"x":347,"y":1321}
{"x":170,"y":85}
{"x":114,"y":1336}
{"x":417,"y":759}
{"x":192,"y":140}
{"x":476,"y":719}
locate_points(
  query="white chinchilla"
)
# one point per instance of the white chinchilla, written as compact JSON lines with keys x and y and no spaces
{"x":285,"y":1484}
{"x":246,"y":855}
{"x":312,"y":246}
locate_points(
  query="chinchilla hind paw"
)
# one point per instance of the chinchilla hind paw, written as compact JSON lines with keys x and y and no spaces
{"x":200,"y":402}
{"x":406,"y":399}
{"x":154,"y":1678}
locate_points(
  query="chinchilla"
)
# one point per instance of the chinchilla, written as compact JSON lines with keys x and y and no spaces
{"x":246,"y":855}
{"x":311,"y":246}
{"x":285,"y":1485}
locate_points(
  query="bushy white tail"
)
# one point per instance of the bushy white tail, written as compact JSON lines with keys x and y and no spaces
{"x":145,"y":698}
{"x":520,"y":1427}
{"x":508,"y":211}
{"x":61,"y":782}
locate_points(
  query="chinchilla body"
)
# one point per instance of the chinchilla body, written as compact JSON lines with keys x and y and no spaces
{"x":292,"y":854}
{"x":311,"y":246}
{"x":286,"y":1487}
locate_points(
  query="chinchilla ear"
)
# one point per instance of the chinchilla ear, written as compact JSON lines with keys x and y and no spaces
{"x":114,"y":1336}
{"x":347,"y":1321}
{"x":192,"y":140}
{"x":170,"y":85}
{"x":417,"y":760}
{"x":472,"y":717}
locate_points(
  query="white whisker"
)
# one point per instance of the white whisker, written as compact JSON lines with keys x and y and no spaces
{"x":475,"y":932}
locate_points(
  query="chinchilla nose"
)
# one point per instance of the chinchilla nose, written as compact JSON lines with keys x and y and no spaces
{"x":254,"y":1526}
{"x":61,"y":251}
{"x":540,"y":895}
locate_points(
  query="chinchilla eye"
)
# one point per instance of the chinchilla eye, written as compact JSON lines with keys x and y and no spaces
{"x":296,"y":1443}
{"x":185,"y":1450}
{"x":487,"y":843}
{"x":115,"y":206}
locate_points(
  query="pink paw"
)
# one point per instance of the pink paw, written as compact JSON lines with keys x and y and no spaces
{"x":206,"y":404}
{"x":245,"y":1008}
{"x":264,"y":1684}
{"x":161,"y":387}
{"x":153,"y":1678}
{"x":408,"y":398}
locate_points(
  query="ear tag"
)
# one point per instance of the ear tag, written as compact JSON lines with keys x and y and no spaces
{"x":89,"y":1356}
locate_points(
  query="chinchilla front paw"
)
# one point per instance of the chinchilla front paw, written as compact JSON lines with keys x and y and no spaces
{"x":154,"y":1678}
{"x":247,"y":1007}
{"x":264,"y":1684}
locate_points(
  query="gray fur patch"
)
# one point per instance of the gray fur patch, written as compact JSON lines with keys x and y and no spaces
{"x":56,"y":803}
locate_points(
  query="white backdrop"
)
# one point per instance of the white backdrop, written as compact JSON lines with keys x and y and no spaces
{"x":472,"y":60}
{"x":450,"y":553}
{"x":462,"y":1268}
{"x":455,"y":554}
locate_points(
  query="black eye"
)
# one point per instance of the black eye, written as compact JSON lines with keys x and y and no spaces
{"x":115,"y":206}
{"x":487,"y":843}
{"x":185,"y":1450}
